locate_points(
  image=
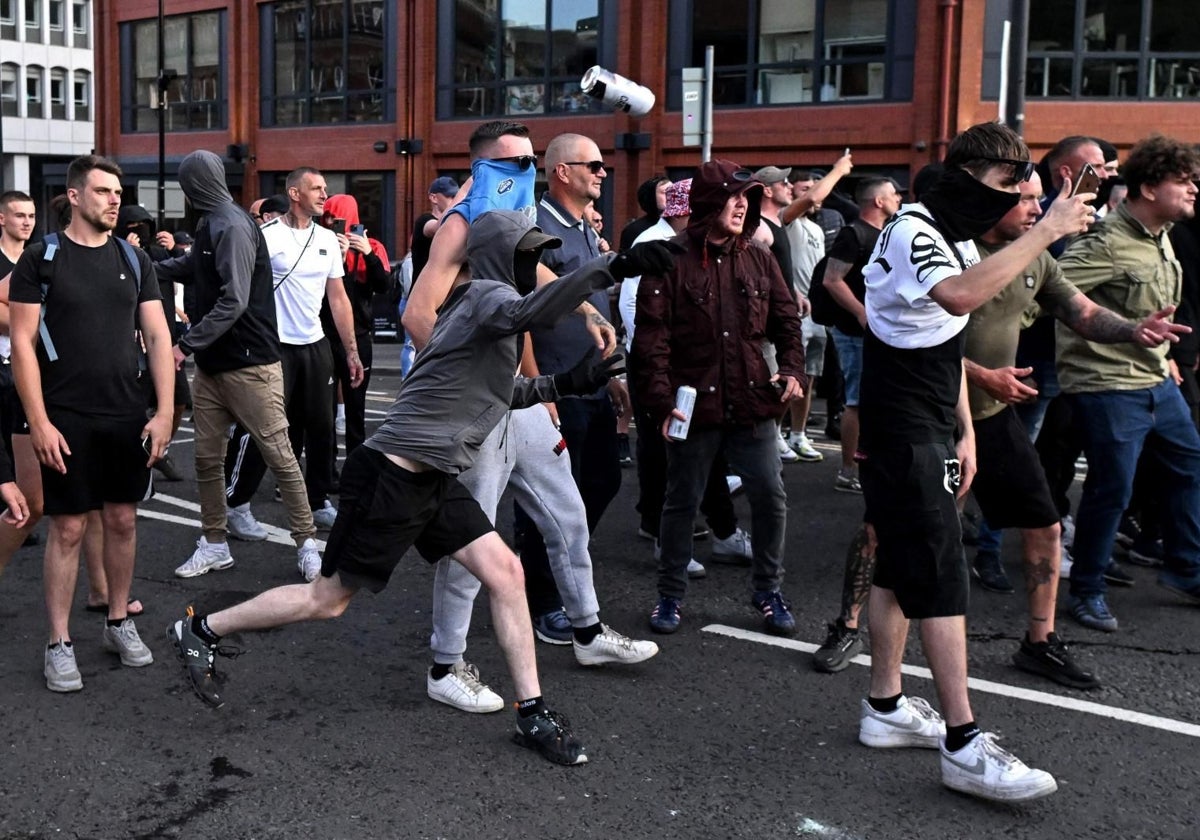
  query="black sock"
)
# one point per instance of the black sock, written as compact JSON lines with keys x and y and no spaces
{"x":200,"y":628}
{"x":584,"y":635}
{"x":885,"y":704}
{"x":114,"y":622}
{"x":530,"y":707}
{"x":66,"y":643}
{"x":439,"y":670}
{"x":958,"y":737}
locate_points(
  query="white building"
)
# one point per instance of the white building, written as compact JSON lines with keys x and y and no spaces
{"x":47,"y":115}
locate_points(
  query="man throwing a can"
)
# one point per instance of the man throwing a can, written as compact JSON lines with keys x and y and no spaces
{"x":702,"y":326}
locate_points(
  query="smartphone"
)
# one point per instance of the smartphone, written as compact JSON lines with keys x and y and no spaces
{"x":846,"y":152}
{"x":1088,"y":181}
{"x":146,"y":444}
{"x":338,"y":226}
{"x":358,"y":230}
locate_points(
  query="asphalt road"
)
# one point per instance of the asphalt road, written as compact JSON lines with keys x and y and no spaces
{"x":327,"y":732}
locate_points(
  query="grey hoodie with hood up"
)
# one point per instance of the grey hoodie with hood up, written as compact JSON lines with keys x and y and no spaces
{"x":462,"y":382}
{"x":234,"y":324}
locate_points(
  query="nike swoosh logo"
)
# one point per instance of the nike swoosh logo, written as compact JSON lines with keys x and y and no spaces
{"x":912,"y":724}
{"x":975,"y":769}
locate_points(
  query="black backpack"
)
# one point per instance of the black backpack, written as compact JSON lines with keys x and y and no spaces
{"x":824,"y":308}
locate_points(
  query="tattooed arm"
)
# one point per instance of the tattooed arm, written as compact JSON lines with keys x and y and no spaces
{"x":1095,"y":323}
{"x":599,"y":327}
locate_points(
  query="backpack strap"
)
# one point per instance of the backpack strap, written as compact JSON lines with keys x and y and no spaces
{"x":50,"y":240}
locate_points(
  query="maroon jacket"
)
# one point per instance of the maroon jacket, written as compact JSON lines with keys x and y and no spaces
{"x":703,"y":324}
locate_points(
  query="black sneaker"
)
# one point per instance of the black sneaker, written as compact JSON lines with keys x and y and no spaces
{"x":624,"y":456}
{"x":1052,"y":659}
{"x":1116,"y":576}
{"x":197,"y":658}
{"x":1128,"y":531}
{"x":989,"y":571}
{"x":550,"y":734}
{"x":167,"y":469}
{"x":1145,"y":552}
{"x":841,"y":645}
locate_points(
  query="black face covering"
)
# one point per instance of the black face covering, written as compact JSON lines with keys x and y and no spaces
{"x":966,"y":207}
{"x":525,"y":265}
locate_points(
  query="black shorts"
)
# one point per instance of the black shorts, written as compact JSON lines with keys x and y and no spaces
{"x":909,"y":492}
{"x":1010,"y":485}
{"x":383,"y":509}
{"x":183,"y":391}
{"x":107,"y":463}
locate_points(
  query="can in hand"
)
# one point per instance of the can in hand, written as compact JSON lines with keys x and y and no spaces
{"x":685,"y":401}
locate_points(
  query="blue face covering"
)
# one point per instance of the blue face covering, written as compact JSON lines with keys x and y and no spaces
{"x":498,"y":185}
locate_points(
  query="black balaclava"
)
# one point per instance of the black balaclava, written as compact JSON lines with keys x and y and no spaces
{"x":964,"y":206}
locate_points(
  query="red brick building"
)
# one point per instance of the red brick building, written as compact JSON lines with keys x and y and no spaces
{"x":381,"y":95}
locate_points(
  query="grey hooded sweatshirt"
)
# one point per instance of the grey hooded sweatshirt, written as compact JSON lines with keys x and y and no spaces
{"x":234,"y":324}
{"x":462,"y":382}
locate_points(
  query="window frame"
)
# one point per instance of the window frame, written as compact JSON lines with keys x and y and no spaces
{"x":35,"y":91}
{"x":12,"y":102}
{"x":447,"y":27}
{"x":85,"y":78}
{"x":81,"y":12}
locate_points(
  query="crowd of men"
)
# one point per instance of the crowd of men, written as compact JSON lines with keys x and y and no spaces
{"x":972,"y":338}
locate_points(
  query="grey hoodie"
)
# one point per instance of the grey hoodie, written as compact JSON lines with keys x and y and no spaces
{"x":234,"y":323}
{"x":462,"y":382}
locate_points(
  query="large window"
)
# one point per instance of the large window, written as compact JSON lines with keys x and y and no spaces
{"x":58,"y":23}
{"x":8,"y":20}
{"x":520,"y":57}
{"x":772,"y":52}
{"x":374,"y":191}
{"x":81,"y":23}
{"x":58,"y":93}
{"x":327,"y":61}
{"x":1114,"y":49}
{"x":194,"y":98}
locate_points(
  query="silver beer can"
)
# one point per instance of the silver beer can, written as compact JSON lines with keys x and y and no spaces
{"x":685,"y":401}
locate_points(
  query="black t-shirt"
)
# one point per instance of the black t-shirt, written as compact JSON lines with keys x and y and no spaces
{"x":781,"y":249}
{"x":6,"y":265}
{"x":853,"y":245}
{"x":420,"y":244}
{"x":91,"y":310}
{"x":909,"y":396}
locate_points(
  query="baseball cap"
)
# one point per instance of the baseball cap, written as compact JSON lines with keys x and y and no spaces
{"x":677,"y":200}
{"x":444,"y":185}
{"x":772,"y":175}
{"x":274,"y":204}
{"x":534,"y":239}
{"x":183,"y":238}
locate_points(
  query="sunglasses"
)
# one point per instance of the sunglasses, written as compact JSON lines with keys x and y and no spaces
{"x":523,"y":162}
{"x":594,"y":166}
{"x":1022,"y":169}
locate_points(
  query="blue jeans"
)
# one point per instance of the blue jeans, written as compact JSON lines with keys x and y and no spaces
{"x":1115,"y":426}
{"x":752,"y":453}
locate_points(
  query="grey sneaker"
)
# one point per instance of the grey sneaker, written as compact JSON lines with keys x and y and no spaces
{"x":913,"y":724}
{"x":206,"y":556}
{"x":308,"y":560}
{"x":124,"y":641}
{"x":735,"y":548}
{"x":242,"y":525}
{"x":324,"y":517}
{"x":61,"y":672}
{"x":462,"y":689}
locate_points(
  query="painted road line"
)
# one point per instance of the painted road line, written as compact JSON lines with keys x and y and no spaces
{"x":987,"y":686}
{"x":275,"y":534}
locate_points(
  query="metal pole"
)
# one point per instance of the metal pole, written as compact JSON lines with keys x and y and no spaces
{"x":162,"y":121}
{"x":1017,"y":57}
{"x":706,"y":142}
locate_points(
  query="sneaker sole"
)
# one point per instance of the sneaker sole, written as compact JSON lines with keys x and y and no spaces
{"x":591,"y":660}
{"x":840,"y":663}
{"x":698,"y":574}
{"x":247,"y":537}
{"x":550,"y":640}
{"x":665,"y":629}
{"x":224,"y":564}
{"x":851,"y":490}
{"x":1035,"y":666}
{"x":65,"y":687}
{"x":779,"y":631}
{"x":1094,"y":625}
{"x":810,"y":460}
{"x":897,"y":740}
{"x":968,"y":785}
{"x":177,"y":646}
{"x":730,"y":559}
{"x":536,"y":746}
{"x":462,"y":707}
{"x":128,"y":661}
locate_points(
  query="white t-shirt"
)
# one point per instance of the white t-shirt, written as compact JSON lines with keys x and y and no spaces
{"x":307,"y":259}
{"x":807,"y":243}
{"x":910,"y":258}
{"x":627,"y":301}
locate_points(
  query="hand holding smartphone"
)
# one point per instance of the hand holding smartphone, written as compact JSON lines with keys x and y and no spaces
{"x":338,"y":226}
{"x":358,"y":230}
{"x":1087,"y":182}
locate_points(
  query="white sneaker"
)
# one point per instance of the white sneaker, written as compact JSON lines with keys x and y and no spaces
{"x":463,"y":690}
{"x":206,"y":556}
{"x":985,"y":769}
{"x":696,"y":571}
{"x":242,"y":525}
{"x":803,"y":447}
{"x":610,"y":647}
{"x":1064,"y":565}
{"x":913,"y":724}
{"x":339,"y":426}
{"x":735,"y":547}
{"x":124,"y":641}
{"x":786,"y":453}
{"x":1068,"y":531}
{"x":324,"y":517}
{"x":735,"y":484}
{"x":60,"y":669}
{"x":308,"y":560}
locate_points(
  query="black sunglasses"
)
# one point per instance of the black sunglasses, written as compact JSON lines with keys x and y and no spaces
{"x":523,"y":162}
{"x":594,"y":166}
{"x":1022,"y":169}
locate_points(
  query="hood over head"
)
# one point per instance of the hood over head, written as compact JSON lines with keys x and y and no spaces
{"x":505,"y":245}
{"x":712,"y":186}
{"x":202,"y":177}
{"x":132,"y":215}
{"x":342,"y":206}
{"x":647,"y":196}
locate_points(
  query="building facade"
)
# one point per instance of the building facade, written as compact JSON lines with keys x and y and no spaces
{"x":381,"y":95}
{"x":46,"y":91}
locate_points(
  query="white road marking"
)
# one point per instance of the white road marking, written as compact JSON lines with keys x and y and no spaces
{"x":281,"y":536}
{"x":987,"y":686}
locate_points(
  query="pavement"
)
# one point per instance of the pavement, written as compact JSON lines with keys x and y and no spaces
{"x":727,"y":733}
